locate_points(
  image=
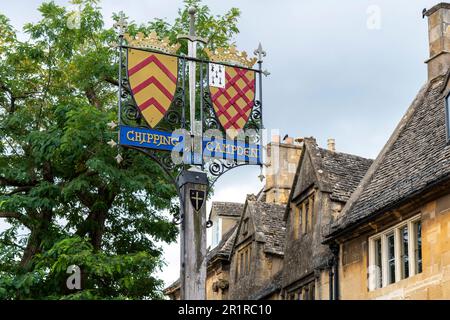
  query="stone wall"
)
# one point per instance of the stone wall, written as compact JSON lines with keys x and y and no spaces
{"x":263,"y":267}
{"x":217,"y":281}
{"x":305,"y":253}
{"x":283,"y":160}
{"x":432,"y":283}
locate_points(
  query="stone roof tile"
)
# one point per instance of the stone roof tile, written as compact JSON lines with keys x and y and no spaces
{"x":416,"y":156}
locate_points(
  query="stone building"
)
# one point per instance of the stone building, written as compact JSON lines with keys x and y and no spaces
{"x":224,"y":216}
{"x":324,"y":181}
{"x":330,"y":225}
{"x":257,"y":254}
{"x":248,"y":239}
{"x":393,"y":233}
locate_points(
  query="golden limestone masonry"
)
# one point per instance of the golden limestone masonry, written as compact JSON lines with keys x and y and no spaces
{"x":331,"y":225}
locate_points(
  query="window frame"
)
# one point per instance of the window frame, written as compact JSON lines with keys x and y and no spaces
{"x":297,"y":220}
{"x":304,"y":214}
{"x":447,"y":116}
{"x":398,"y":242}
{"x":244,"y":261}
{"x":216,"y":232}
{"x":245,"y":226}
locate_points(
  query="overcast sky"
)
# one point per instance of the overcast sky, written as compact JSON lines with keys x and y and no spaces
{"x":336,"y":69}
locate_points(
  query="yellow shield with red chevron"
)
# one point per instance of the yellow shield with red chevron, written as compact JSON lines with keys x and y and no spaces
{"x":233,"y":96}
{"x":153,"y":81}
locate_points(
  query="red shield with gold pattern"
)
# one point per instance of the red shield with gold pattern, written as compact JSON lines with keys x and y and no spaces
{"x":233,"y":96}
{"x":153,"y":81}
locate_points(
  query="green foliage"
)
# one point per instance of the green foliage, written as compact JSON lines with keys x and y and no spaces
{"x":106,"y":276}
{"x":66,"y":199}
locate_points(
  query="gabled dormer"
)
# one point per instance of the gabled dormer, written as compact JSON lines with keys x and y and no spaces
{"x":323,"y":183}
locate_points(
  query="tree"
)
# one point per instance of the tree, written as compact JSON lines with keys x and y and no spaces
{"x":65,"y":198}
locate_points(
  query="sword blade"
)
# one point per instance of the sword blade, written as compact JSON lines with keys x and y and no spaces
{"x":192,"y":82}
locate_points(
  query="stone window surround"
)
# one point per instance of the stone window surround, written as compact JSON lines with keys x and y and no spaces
{"x":303,"y":221}
{"x":372,"y":278}
{"x":297,"y":291}
{"x":244,"y":259}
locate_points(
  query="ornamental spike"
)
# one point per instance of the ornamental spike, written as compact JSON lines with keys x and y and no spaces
{"x":112,"y":125}
{"x":112,"y":143}
{"x":259,"y":53}
{"x":121,"y":25}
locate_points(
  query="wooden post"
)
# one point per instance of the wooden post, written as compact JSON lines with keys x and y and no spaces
{"x":193,"y":235}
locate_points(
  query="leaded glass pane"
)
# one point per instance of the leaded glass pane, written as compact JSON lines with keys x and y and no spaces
{"x":404,"y":252}
{"x":418,"y":246}
{"x":378,"y":270}
{"x":391,"y":258}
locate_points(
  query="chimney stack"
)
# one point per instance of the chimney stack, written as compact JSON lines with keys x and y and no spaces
{"x":332,"y":145}
{"x":283,"y":157}
{"x":439,"y":39}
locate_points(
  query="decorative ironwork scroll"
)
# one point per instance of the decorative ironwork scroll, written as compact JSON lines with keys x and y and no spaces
{"x":152,"y":99}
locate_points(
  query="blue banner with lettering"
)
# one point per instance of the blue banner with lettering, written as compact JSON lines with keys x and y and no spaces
{"x":148,"y":138}
{"x":233,"y":150}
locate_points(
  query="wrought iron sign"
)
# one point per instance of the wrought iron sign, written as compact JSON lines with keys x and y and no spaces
{"x":160,"y":116}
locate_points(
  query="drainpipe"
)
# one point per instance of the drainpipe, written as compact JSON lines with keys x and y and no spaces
{"x":334,"y":247}
{"x":330,"y":279}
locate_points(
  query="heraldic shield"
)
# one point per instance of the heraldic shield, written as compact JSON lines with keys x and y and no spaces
{"x":232,"y":95}
{"x":153,"y":81}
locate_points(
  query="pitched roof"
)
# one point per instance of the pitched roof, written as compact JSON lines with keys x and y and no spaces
{"x":270,"y":226}
{"x":173,"y":287}
{"x":338,"y":173}
{"x":415,"y":157}
{"x":227,"y":209}
{"x":223,"y":249}
{"x":270,"y":287}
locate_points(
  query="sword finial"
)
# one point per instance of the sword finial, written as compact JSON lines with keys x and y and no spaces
{"x":121,"y":25}
{"x":260,"y":53}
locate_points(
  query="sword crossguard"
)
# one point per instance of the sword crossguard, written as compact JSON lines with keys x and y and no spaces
{"x":266,"y":73}
{"x":193,"y":38}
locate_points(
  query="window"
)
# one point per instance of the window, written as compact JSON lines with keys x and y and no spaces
{"x":395,"y":254}
{"x":304,"y":222}
{"x":306,"y":214}
{"x":241,"y":263}
{"x":417,"y":229}
{"x":447,"y":112}
{"x":216,"y":232}
{"x":307,"y":218}
{"x":312,"y":291}
{"x":245,"y":226}
{"x":391,"y":258}
{"x":244,"y":261}
{"x":297,"y":220}
{"x":305,"y":292}
{"x":249,"y":258}
{"x":310,"y":212}
{"x":379,"y":276}
{"x":404,"y":255}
